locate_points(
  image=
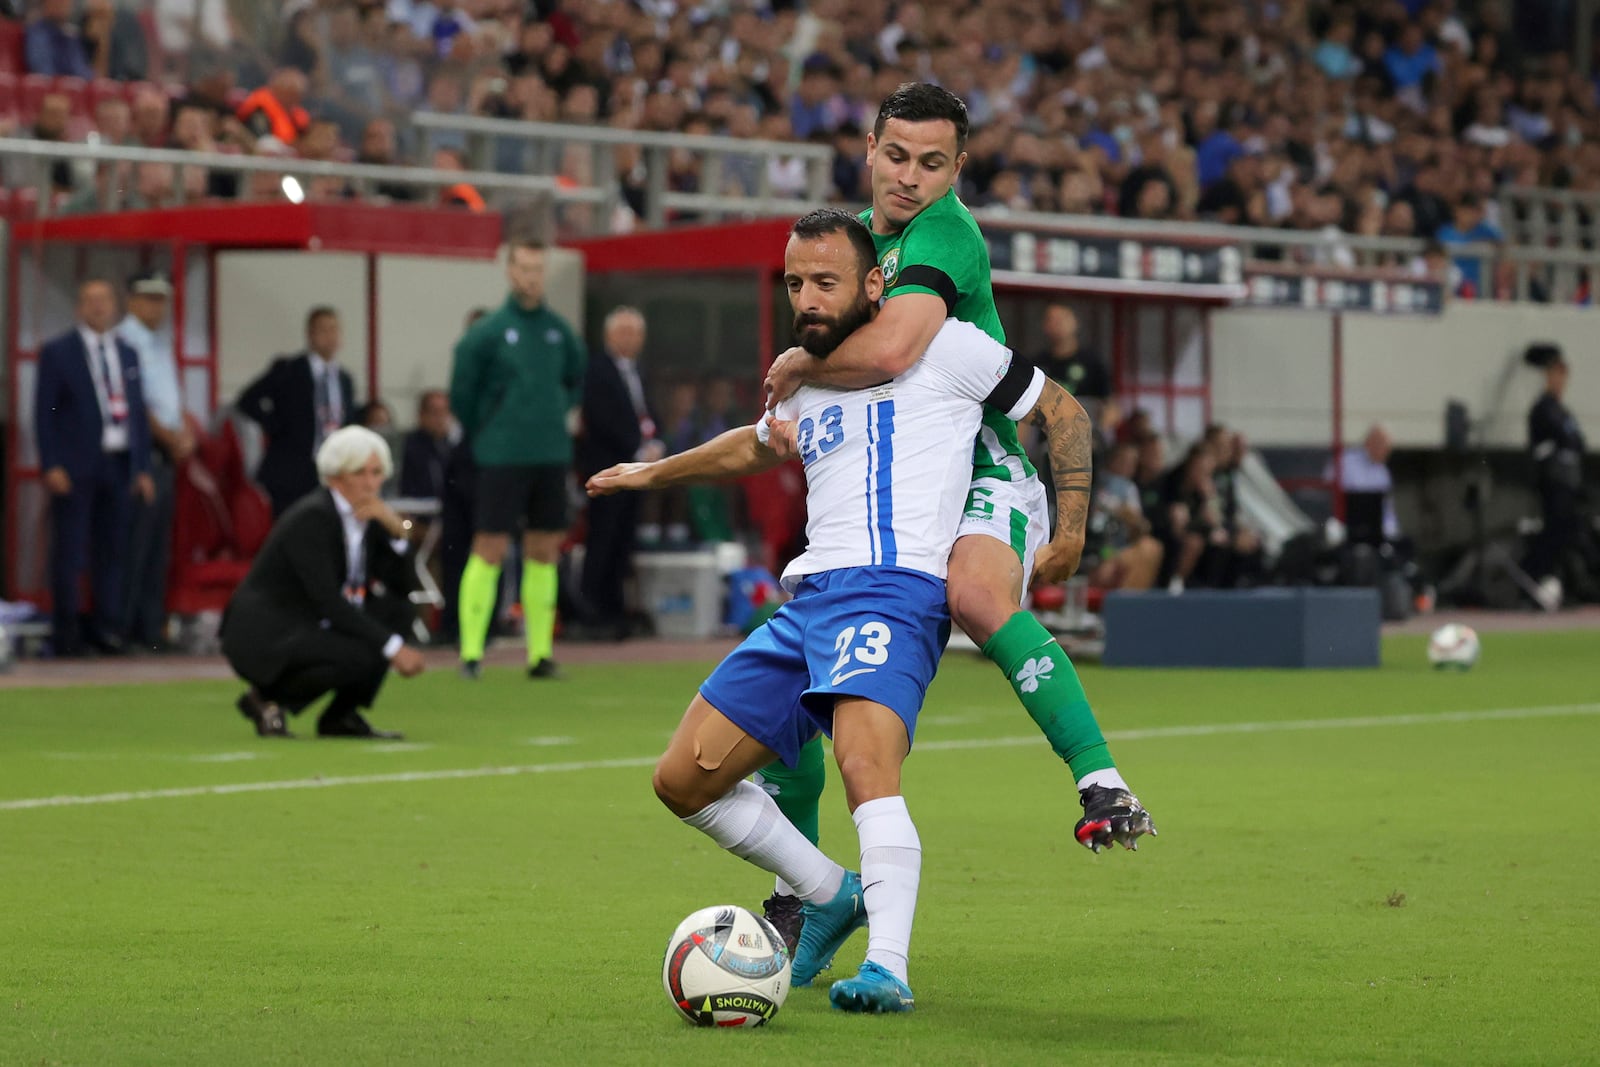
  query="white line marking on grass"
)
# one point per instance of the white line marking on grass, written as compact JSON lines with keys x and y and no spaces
{"x":384,"y":748}
{"x":1199,"y":730}
{"x":1286,"y":726}
{"x":323,"y":783}
{"x":224,"y":757}
{"x":550,"y":742}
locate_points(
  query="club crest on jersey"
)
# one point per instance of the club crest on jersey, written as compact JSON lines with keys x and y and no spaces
{"x":511,"y":337}
{"x":891,"y":266}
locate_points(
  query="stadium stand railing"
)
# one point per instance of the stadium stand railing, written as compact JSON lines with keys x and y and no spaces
{"x":1550,"y":218}
{"x":1551,"y":254}
{"x":539,"y":148}
{"x":35,"y":157}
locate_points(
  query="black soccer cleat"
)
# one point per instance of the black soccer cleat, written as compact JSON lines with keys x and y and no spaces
{"x":1111,"y":816}
{"x":787,"y":915}
{"x":471,"y":670}
{"x":545,"y":668}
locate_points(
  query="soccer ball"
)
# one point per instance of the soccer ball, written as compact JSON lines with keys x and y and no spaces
{"x":726,"y":967}
{"x":1453,"y":646}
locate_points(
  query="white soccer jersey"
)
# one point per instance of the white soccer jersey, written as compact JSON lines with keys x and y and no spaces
{"x":887,"y":468}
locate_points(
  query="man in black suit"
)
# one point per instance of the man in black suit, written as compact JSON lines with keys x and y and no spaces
{"x":298,"y":402}
{"x":93,"y":436}
{"x":326,"y":603}
{"x":425,"y":454}
{"x":617,"y":428}
{"x":1556,"y":445}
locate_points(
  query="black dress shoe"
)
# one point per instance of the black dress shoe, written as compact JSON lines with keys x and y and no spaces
{"x":110,"y":645}
{"x":352,"y":724}
{"x":267,"y":716}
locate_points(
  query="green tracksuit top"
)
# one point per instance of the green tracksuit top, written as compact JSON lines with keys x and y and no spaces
{"x":516,"y":375}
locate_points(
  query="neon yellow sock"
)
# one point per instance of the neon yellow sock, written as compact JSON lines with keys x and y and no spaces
{"x":539,"y":608}
{"x":480,"y":581}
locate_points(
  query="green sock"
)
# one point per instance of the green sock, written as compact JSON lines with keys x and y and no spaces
{"x":1048,"y":686}
{"x":539,"y":608}
{"x":798,"y":792}
{"x":480,"y":581}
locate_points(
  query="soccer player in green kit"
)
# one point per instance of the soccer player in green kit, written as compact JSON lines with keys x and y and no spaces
{"x":936,"y":265}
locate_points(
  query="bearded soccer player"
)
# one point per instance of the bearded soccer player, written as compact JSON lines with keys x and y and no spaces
{"x":936,"y":266}
{"x":853,"y":653}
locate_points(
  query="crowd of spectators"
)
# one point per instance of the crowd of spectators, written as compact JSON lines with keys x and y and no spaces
{"x":1377,"y":117}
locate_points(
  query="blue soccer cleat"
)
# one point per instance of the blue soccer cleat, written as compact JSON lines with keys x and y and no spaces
{"x":826,"y":927}
{"x":873,"y":991}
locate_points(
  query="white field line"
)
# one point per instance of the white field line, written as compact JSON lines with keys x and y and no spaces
{"x":1154,"y":733}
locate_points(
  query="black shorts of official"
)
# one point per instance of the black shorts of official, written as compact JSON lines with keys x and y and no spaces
{"x":530,"y":497}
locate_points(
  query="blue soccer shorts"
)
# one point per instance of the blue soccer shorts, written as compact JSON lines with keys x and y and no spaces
{"x":871,"y":632}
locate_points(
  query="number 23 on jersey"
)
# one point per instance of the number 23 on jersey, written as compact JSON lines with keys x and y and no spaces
{"x":830,"y":424}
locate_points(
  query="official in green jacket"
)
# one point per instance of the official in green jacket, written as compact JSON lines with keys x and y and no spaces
{"x":515,"y":384}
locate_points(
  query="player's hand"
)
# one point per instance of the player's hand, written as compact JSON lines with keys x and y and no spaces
{"x":408,"y":662}
{"x":57,"y":482}
{"x":621,"y":477}
{"x":1111,"y":815}
{"x":785,"y":375}
{"x":144,"y":487}
{"x":1056,"y":562}
{"x":783,"y":437}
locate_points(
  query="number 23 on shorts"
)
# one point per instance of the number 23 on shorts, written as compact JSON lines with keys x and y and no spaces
{"x":869,"y":645}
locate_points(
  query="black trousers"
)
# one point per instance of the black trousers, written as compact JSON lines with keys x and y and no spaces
{"x":608,"y":554}
{"x":1562,"y":531}
{"x":323,"y":662}
{"x":144,"y":594}
{"x":455,"y":538}
{"x":89,"y":529}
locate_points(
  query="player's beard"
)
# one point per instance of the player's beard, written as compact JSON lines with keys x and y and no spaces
{"x":822,"y":342}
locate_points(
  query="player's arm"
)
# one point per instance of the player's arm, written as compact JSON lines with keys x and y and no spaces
{"x":1069,"y":438}
{"x":884,"y":348}
{"x":939,"y":263}
{"x":1025,"y":395}
{"x":734,"y":454}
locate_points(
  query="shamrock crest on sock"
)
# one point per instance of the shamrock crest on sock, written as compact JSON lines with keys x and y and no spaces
{"x":1033,"y":672}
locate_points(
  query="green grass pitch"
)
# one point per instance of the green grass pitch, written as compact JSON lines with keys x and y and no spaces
{"x":1419,"y":884}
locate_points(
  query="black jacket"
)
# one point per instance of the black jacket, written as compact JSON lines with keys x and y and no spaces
{"x":612,"y":431}
{"x":297,"y":583}
{"x":282,"y":403}
{"x":423,"y":463}
{"x":1556,"y":444}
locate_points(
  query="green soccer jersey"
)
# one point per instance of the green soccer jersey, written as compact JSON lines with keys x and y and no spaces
{"x":942,"y":253}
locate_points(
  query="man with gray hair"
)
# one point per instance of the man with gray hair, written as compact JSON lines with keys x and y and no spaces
{"x":326,"y":604}
{"x":617,"y":428}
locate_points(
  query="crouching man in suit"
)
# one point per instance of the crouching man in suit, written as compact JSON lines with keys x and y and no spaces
{"x":326,"y":602}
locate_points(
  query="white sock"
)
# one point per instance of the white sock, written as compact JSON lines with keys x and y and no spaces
{"x":1109,"y":778}
{"x":783,"y":889}
{"x":891,"y":867}
{"x":747,"y":822}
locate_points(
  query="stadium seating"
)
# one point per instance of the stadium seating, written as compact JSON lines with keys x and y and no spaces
{"x":221,"y":519}
{"x":11,"y":44}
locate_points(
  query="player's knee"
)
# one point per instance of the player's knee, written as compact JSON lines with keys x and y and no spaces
{"x":492,"y":550}
{"x":868,"y":776}
{"x":677,"y":788}
{"x":978,"y":608}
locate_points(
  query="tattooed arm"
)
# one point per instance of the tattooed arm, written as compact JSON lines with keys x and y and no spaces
{"x":1070,"y":437}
